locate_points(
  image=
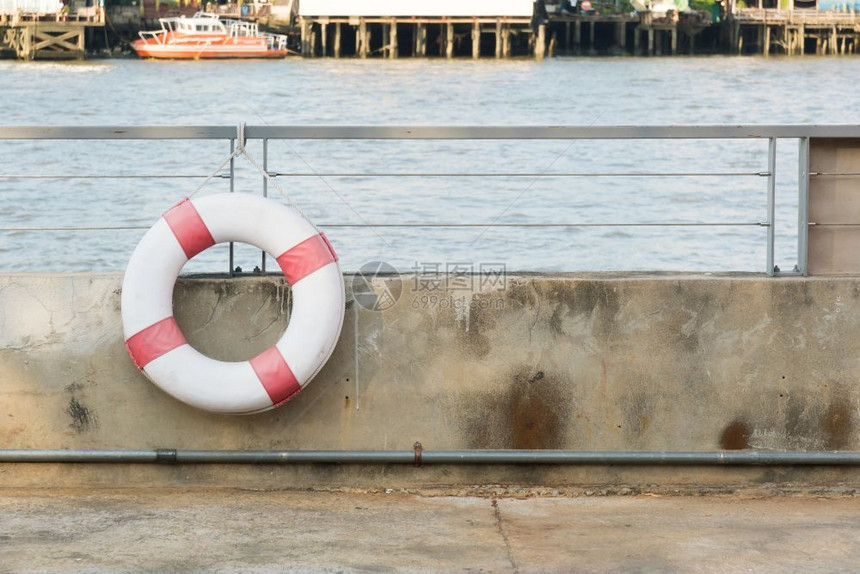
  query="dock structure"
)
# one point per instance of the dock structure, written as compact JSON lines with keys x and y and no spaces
{"x":441,"y":28}
{"x":514,"y":28}
{"x":641,"y":33}
{"x":419,"y":37}
{"x":794,"y":32}
{"x":45,"y":31}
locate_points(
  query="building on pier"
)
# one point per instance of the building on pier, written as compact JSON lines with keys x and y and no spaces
{"x":47,"y":29}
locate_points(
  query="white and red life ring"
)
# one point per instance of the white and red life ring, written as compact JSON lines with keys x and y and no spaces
{"x":310,"y":266}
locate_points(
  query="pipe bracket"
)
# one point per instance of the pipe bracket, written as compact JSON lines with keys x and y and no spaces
{"x":166,"y":455}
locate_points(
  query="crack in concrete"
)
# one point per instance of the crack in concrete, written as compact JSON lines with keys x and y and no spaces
{"x":259,"y":333}
{"x":499,"y":526}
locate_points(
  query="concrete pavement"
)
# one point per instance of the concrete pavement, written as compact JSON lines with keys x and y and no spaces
{"x":254,"y":531}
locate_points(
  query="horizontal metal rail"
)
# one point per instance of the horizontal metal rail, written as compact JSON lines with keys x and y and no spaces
{"x":418,"y":225}
{"x":428,"y":133}
{"x":424,"y":457}
{"x":103,"y":176}
{"x":544,"y":175}
{"x":569,"y":134}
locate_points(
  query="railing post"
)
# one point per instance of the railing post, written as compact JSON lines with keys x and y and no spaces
{"x":232,"y":188}
{"x":771,"y":203}
{"x":265,"y":194}
{"x":803,"y":208}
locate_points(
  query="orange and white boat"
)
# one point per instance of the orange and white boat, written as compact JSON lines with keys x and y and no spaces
{"x":206,"y":35}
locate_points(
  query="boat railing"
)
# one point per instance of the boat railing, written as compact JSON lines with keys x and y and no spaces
{"x":276,"y":41}
{"x":741,"y":165}
{"x":152,"y":36}
{"x":238,"y":28}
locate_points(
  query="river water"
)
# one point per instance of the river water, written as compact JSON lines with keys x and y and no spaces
{"x":576,"y":91}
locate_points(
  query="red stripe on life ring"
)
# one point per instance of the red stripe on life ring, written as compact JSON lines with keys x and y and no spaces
{"x":311,"y":254}
{"x":189,"y":228}
{"x":154,"y":341}
{"x":276,"y":375}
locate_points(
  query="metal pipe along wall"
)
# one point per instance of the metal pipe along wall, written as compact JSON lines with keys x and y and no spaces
{"x":421,"y":457}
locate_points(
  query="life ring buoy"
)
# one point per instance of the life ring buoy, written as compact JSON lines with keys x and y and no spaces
{"x":310,"y":266}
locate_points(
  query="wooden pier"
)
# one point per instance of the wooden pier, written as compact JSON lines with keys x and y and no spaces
{"x":638,"y":34}
{"x":747,"y":31}
{"x":499,"y":37}
{"x":794,"y":32}
{"x":420,"y":37}
{"x":48,"y":37}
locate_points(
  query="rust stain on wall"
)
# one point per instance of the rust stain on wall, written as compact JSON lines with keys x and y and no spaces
{"x":531,"y":413}
{"x":838,"y":426}
{"x":736,"y":436}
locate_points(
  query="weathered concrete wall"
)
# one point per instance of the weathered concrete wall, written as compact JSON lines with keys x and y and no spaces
{"x":592,"y":362}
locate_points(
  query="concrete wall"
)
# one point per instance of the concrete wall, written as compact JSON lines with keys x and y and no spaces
{"x":590,"y":362}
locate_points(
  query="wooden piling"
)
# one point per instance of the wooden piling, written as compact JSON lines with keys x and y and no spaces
{"x":305,"y":27}
{"x":395,"y":48}
{"x":386,"y":41}
{"x":650,"y":41}
{"x":449,"y":40}
{"x":324,"y":39}
{"x":476,"y":40}
{"x":674,"y":45}
{"x":337,"y":38}
{"x":540,"y":42}
{"x":591,"y":34}
{"x":766,"y":48}
{"x":739,"y":37}
{"x":498,"y":38}
{"x":621,"y":35}
{"x":421,"y":40}
{"x":637,"y":31}
{"x":362,"y":38}
{"x":568,"y":40}
{"x":577,"y":36}
{"x":506,"y":41}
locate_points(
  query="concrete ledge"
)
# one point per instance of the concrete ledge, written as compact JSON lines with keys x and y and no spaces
{"x":585,"y":362}
{"x":179,"y":530}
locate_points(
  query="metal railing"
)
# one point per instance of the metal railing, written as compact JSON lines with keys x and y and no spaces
{"x":229,"y":134}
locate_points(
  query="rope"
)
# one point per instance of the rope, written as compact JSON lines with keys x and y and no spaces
{"x":217,"y":172}
{"x":241,"y":150}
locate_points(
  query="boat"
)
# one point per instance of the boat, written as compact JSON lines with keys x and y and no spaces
{"x":206,"y":35}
